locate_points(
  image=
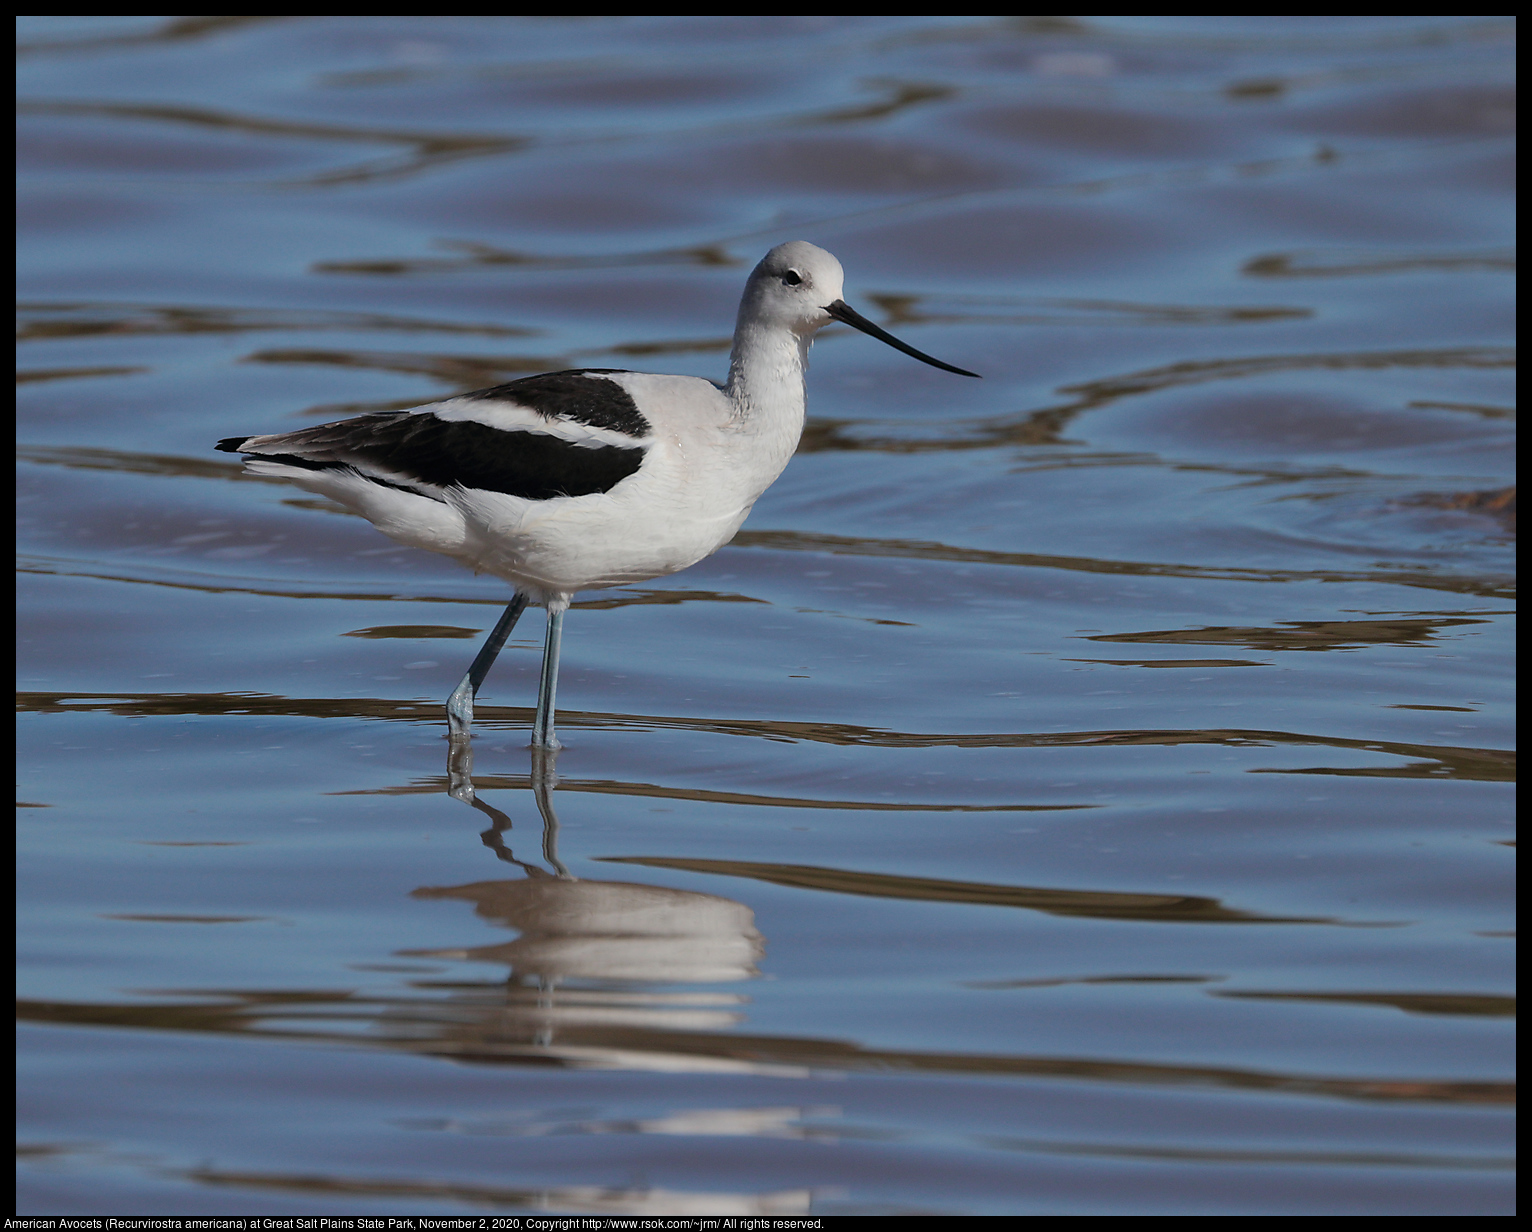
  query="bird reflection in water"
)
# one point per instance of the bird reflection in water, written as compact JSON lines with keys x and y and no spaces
{"x":587,"y":957}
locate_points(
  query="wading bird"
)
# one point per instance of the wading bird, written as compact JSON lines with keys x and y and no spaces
{"x":590,"y":477}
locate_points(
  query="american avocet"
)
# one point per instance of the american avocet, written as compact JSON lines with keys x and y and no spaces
{"x":590,"y":477}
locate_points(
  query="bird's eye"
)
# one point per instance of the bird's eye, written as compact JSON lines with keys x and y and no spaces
{"x":792,"y":278}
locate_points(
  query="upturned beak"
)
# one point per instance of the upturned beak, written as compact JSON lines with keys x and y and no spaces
{"x":840,"y":310}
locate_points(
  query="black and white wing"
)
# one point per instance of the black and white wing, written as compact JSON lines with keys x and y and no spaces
{"x":569,"y":433}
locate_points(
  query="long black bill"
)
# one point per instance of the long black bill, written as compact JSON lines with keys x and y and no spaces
{"x":842,"y":311}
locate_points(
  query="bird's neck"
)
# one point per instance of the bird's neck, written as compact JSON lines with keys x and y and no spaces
{"x":766,"y":380}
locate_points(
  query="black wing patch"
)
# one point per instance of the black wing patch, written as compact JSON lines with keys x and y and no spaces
{"x":446,"y":453}
{"x":574,"y":394}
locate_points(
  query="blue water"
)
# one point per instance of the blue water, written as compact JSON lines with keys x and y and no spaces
{"x":1084,"y":791}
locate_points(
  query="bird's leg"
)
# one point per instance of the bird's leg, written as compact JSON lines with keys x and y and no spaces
{"x":460,"y":770}
{"x":542,"y":728}
{"x":544,"y":780}
{"x":460,"y":704}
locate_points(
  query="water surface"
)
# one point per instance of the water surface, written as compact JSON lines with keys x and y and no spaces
{"x":1084,"y":791}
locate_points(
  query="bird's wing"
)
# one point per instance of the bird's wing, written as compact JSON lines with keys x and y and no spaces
{"x":559,"y":434}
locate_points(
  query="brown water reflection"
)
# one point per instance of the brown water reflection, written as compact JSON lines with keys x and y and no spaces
{"x":45,"y":320}
{"x":1341,"y":263}
{"x":174,"y":30}
{"x":1409,"y":1002}
{"x":1305,"y":634}
{"x":893,"y":864}
{"x":485,"y":1024}
{"x":479,"y":254}
{"x":1487,"y":587}
{"x":176,"y":131}
{"x":1045,"y":426}
{"x":591,"y":973}
{"x":638,"y":1201}
{"x":1499,"y":503}
{"x":1502,"y":588}
{"x":1487,"y":765}
{"x":1087,"y":904}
